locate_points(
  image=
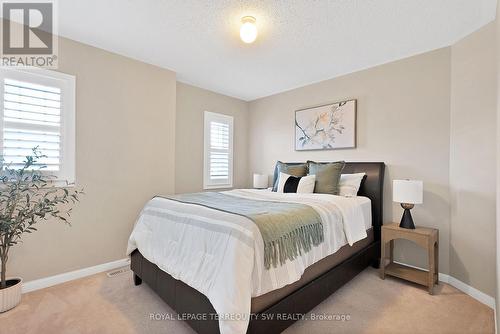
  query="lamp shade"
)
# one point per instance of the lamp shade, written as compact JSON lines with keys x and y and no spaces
{"x":408,"y":191}
{"x":260,"y":181}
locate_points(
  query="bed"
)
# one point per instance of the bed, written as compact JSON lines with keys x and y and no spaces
{"x":205,"y":307}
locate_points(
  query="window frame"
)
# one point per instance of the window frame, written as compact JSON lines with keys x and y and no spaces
{"x":66,"y":176}
{"x":209,"y":184}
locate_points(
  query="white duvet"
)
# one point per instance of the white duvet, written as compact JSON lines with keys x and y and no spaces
{"x":222,"y":255}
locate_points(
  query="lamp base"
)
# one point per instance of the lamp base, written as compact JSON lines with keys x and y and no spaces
{"x":407,"y":220}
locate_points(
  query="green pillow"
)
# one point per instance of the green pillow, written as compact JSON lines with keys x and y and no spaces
{"x":327,"y":176}
{"x":297,"y":170}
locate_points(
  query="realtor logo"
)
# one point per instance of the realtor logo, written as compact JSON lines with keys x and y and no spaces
{"x":28,"y":36}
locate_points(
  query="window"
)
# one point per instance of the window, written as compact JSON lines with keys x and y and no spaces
{"x":38,"y":109}
{"x":218,"y":160}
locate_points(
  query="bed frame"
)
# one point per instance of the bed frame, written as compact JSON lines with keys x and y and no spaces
{"x":187,"y":301}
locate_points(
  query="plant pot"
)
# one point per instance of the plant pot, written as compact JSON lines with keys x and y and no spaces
{"x":10,"y":297}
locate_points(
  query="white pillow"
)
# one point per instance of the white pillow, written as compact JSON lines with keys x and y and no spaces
{"x":293,"y":184}
{"x":349,"y":184}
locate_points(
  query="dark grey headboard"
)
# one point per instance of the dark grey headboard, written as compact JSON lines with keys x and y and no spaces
{"x":372,"y":187}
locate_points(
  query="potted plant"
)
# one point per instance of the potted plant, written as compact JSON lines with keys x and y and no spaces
{"x":27,"y":198}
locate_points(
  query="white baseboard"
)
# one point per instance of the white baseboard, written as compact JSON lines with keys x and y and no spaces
{"x":69,"y":276}
{"x":473,"y":292}
{"x":72,"y":275}
{"x":467,"y":289}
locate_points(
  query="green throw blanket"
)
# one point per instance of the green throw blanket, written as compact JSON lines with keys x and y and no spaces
{"x":286,"y":228}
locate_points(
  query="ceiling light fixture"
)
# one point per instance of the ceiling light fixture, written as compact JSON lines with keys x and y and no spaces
{"x":248,"y":30}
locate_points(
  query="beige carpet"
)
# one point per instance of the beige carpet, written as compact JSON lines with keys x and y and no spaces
{"x":99,"y":304}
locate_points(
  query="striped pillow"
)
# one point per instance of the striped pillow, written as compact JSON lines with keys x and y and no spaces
{"x":294,"y":184}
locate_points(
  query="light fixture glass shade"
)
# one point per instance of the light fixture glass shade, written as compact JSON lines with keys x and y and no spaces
{"x":248,"y":30}
{"x":408,"y":191}
{"x":260,"y":181}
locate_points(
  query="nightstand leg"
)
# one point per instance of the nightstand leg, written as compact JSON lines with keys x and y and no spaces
{"x":436,"y":261}
{"x":391,"y":251}
{"x":432,"y":267}
{"x":382,"y":261}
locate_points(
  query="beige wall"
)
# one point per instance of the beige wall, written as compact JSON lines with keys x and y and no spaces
{"x":125,"y":143}
{"x":134,"y":142}
{"x":125,"y":133}
{"x":191,"y":104}
{"x":430,"y":117}
{"x":498,"y":169}
{"x":403,"y":120}
{"x":473,"y":160}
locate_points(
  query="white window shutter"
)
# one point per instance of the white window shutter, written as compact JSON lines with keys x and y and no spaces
{"x":218,"y":160}
{"x":31,"y":118}
{"x":37,"y":110}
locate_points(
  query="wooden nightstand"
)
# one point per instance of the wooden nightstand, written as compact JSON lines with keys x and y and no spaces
{"x":427,"y":238}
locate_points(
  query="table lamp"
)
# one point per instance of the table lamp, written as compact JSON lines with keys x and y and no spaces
{"x":408,"y":193}
{"x":260,"y":181}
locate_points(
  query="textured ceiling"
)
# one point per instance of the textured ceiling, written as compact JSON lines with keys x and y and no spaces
{"x":300,"y":42}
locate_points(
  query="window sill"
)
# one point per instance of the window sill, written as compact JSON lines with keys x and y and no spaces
{"x":222,"y":186}
{"x":54,"y":184}
{"x":61,"y":184}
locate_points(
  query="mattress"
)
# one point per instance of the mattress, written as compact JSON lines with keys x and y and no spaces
{"x":366,"y":209}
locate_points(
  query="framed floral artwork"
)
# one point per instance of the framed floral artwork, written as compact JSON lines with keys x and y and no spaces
{"x":327,"y":127}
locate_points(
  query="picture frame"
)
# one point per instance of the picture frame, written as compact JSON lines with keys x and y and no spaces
{"x":326,"y":127}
